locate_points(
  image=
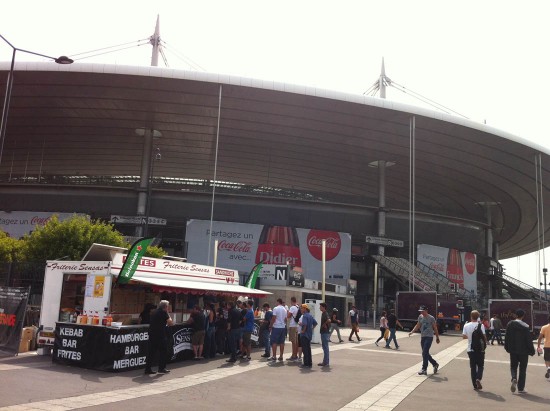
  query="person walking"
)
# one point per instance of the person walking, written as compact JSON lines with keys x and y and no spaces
{"x":393,"y":322}
{"x":519,"y":345}
{"x":335,"y":325}
{"x":428,"y":327}
{"x":354,"y":323}
{"x":383,"y":327}
{"x":278,"y":330}
{"x":307,"y":323}
{"x":545,"y":335}
{"x":248,"y":329}
{"x":158,"y":340}
{"x":325,"y":334}
{"x":496,"y":326}
{"x":474,"y":331}
{"x":265,"y":330}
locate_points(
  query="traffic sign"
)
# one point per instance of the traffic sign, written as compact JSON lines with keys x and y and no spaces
{"x":387,"y":242}
{"x":137,"y":220}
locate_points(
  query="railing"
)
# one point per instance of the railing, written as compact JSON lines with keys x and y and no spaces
{"x":526,"y":289}
{"x":425,"y":278}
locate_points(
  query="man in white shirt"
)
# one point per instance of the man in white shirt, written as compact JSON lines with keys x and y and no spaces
{"x":278,"y":330}
{"x":477,"y":357}
{"x":293,"y":328}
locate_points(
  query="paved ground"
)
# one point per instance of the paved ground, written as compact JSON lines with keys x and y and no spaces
{"x":361,"y":376}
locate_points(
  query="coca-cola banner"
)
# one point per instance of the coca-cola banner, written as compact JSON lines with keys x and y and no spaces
{"x":241,"y":246}
{"x":459,"y":267}
{"x":19,"y":223}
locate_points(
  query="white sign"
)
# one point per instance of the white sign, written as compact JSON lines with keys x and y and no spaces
{"x":241,"y":246}
{"x":137,"y":220}
{"x":459,"y":267}
{"x":387,"y":242}
{"x":18,"y":223}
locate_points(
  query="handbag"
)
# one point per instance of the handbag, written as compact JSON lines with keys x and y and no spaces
{"x":387,"y":334}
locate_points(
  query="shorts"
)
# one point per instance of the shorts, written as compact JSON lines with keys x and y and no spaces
{"x":246,"y":338}
{"x":546,"y":354}
{"x":278,"y":335}
{"x":197,"y":338}
{"x":293,"y":334}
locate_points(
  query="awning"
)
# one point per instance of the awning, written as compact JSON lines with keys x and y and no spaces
{"x":197,"y":287}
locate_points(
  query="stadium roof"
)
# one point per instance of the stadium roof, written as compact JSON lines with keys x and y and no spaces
{"x":80,"y":120}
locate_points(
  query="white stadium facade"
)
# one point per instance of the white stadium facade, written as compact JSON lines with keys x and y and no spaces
{"x":184,"y":147}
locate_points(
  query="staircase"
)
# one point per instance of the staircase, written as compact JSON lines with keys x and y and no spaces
{"x":424,"y":278}
{"x":515,"y":286}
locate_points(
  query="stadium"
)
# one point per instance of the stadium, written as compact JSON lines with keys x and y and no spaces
{"x":174,"y":147}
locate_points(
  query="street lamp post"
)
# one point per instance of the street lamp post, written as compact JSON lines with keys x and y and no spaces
{"x":9,"y":84}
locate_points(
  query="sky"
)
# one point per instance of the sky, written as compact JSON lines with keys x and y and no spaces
{"x":487,"y":60}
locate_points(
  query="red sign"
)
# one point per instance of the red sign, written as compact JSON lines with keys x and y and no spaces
{"x":314,"y":244}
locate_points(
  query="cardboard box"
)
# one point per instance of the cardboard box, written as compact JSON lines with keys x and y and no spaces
{"x":24,"y":346}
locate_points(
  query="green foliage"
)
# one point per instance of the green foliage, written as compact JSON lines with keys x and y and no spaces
{"x":11,"y":249}
{"x":69,"y":239}
{"x":154,"y":252}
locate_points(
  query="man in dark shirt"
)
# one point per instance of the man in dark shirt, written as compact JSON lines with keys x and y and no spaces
{"x":198,"y":322}
{"x":265,"y":329}
{"x":325,"y":334}
{"x":393,"y":322}
{"x":157,"y":338}
{"x":234,"y":328}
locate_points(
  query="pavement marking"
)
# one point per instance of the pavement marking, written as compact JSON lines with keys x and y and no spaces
{"x":161,"y":387}
{"x":389,"y":393}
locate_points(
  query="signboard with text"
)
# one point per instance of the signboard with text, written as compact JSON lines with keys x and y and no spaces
{"x":241,"y":246}
{"x":18,"y":223}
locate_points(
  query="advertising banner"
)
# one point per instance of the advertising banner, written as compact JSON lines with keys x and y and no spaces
{"x":459,"y":267}
{"x":13,"y":304}
{"x":241,"y":246}
{"x":19,"y":223}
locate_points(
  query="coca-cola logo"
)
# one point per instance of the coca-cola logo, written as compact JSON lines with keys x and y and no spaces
{"x":237,"y":247}
{"x":470,"y":262}
{"x":314,"y":244}
{"x":40,"y":220}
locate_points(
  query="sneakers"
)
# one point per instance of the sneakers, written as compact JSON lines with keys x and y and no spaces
{"x":272,"y":359}
{"x":436,"y":367}
{"x":422,"y":372}
{"x":291,"y":359}
{"x":281,"y":358}
{"x":165,"y":371}
{"x":341,"y":341}
{"x":478,"y":385}
{"x":514,"y":384}
{"x":397,"y":347}
{"x":547,"y":375}
{"x":350,"y":339}
{"x":387,"y":346}
{"x":265,"y":355}
{"x":231,"y":360}
{"x":150,"y":372}
{"x":358,"y":339}
{"x":376,"y":343}
{"x":322,"y":364}
{"x":522,"y":392}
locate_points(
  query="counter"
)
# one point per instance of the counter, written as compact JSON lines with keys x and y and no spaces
{"x":114,"y":348}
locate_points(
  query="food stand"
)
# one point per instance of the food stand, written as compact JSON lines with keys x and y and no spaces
{"x":82,"y":291}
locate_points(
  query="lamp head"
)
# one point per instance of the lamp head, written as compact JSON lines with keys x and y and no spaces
{"x":64,"y":60}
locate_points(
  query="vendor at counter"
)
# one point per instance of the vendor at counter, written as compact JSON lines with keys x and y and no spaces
{"x":158,"y":341}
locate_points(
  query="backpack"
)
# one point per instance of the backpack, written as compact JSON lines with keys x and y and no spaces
{"x":298,"y":315}
{"x":478,"y":344}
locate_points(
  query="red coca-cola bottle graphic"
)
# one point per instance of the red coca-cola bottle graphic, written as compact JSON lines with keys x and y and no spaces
{"x":454,"y":268}
{"x":279,"y":245}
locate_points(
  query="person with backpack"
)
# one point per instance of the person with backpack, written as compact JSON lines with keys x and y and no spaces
{"x":294,"y":314}
{"x":474,"y":331}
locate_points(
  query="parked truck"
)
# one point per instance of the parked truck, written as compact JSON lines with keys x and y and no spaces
{"x":506,"y":309}
{"x":448,"y":313}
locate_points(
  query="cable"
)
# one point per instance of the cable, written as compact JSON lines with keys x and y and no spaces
{"x":182,"y":57}
{"x":161,"y":50}
{"x":105,"y":48}
{"x":107,"y":52}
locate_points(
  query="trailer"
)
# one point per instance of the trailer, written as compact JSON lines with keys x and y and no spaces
{"x":506,"y":311}
{"x":408,"y":302}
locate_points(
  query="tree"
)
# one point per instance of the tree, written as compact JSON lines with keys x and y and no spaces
{"x":11,"y":249}
{"x":69,"y":239}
